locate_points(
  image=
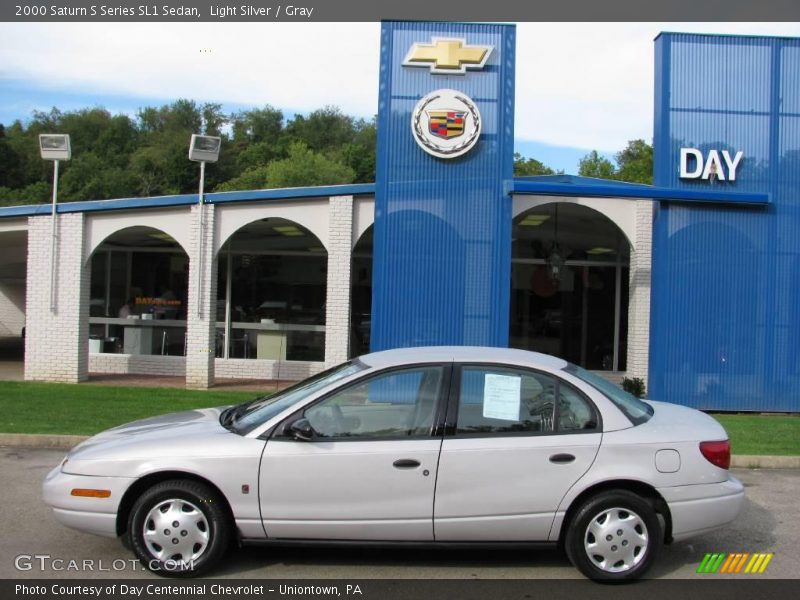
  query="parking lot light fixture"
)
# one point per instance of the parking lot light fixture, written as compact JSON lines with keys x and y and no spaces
{"x":202,"y":149}
{"x":55,"y":147}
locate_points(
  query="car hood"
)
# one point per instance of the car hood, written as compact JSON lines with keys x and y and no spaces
{"x":164,"y":433}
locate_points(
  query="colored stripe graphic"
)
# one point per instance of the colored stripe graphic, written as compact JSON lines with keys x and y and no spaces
{"x":727,"y":564}
{"x":721,"y":562}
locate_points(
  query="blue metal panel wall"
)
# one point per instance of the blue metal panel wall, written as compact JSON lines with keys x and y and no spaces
{"x":725,"y":324}
{"x":442,"y":250}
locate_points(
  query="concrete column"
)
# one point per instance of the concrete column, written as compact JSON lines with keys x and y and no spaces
{"x":639,"y":307}
{"x":201,"y":325}
{"x":340,"y":251}
{"x":57,"y":341}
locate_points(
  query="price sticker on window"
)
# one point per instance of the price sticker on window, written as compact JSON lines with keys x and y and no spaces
{"x":501,"y":397}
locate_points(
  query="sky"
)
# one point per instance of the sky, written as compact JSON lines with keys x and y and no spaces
{"x":579,"y":86}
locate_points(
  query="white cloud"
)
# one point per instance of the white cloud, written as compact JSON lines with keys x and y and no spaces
{"x":289,"y":65}
{"x":587,"y":85}
{"x":590,"y":85}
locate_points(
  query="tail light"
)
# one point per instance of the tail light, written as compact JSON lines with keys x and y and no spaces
{"x":717,"y":453}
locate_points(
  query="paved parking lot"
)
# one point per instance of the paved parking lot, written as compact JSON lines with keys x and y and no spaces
{"x":768,"y":524}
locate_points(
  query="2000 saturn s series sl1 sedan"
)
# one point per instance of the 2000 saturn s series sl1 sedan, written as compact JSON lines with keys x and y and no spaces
{"x":448,"y":445}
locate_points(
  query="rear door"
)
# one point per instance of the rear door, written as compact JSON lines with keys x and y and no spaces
{"x":517,"y":441}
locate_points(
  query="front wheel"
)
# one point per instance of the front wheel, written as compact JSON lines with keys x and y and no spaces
{"x":179,"y":528}
{"x":614,"y":536}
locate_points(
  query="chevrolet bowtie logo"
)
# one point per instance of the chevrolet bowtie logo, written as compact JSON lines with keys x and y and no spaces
{"x":447,"y":56}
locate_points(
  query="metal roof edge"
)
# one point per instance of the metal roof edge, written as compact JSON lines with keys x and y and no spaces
{"x":354,"y":189}
{"x":45,"y":208}
{"x":614,"y":190}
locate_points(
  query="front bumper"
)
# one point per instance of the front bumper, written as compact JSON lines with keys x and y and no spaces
{"x":696,"y":509}
{"x":90,"y":515}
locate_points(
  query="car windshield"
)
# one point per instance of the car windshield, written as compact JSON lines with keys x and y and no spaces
{"x":244,"y":418}
{"x":637,"y":411}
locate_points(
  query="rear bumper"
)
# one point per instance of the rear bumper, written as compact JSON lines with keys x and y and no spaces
{"x":91,"y":515}
{"x":696,"y":509}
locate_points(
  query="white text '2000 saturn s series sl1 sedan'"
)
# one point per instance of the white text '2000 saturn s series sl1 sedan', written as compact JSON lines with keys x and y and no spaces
{"x":431,"y":446}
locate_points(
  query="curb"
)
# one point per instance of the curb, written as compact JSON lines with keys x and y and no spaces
{"x":35,"y":440}
{"x":755,"y":461}
{"x":65,"y":442}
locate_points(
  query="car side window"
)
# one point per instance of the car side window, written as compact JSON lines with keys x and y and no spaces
{"x":397,"y":404}
{"x":498,"y":400}
{"x":574,"y":410}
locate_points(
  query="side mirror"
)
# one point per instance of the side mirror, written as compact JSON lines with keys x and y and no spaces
{"x":301,"y":430}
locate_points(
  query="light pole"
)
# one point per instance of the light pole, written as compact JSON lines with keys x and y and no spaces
{"x":202,"y":149}
{"x":55,"y":147}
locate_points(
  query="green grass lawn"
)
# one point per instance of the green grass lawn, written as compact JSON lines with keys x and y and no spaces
{"x":777,"y":435}
{"x":87,"y":409}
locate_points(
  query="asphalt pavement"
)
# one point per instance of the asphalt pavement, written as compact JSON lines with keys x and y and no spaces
{"x":768,"y":524}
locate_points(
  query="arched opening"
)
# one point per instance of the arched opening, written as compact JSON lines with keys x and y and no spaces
{"x":13,"y":275}
{"x":271,"y":292}
{"x":361,"y":294}
{"x":569,"y":285}
{"x":138,"y":294}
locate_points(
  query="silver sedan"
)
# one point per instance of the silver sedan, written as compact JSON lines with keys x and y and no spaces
{"x":423,"y":446}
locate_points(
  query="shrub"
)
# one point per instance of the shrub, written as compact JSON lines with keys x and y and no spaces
{"x":634,"y":385}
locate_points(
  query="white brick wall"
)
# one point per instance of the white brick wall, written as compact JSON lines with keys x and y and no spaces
{"x":137,"y":364}
{"x":639,"y":307}
{"x":201,"y":329}
{"x":337,"y":313}
{"x":240,"y":368}
{"x":56,"y":342}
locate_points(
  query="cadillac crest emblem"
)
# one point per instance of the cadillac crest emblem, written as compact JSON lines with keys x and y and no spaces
{"x":446,"y":123}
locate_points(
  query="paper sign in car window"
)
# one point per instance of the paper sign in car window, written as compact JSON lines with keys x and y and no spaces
{"x":501,"y":397}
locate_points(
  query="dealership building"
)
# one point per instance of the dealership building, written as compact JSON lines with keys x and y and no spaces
{"x":692,"y":284}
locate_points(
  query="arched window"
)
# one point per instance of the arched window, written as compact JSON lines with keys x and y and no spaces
{"x":138,"y":294}
{"x":569,"y":293}
{"x":271,"y":288}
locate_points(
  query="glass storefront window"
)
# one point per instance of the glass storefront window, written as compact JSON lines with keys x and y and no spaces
{"x":138,"y":294}
{"x":272,"y":286}
{"x":569,"y":295}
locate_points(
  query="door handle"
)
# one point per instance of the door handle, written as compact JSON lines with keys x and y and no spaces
{"x":562,"y":459}
{"x":406,"y":463}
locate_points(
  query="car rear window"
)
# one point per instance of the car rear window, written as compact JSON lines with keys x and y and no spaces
{"x":637,"y":411}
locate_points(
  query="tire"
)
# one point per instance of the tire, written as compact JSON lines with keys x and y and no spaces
{"x":192,"y":547}
{"x":614,"y":536}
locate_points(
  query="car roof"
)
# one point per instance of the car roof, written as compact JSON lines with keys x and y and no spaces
{"x":480,"y":354}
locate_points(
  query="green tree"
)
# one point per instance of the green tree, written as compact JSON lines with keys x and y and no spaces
{"x":360,"y":154}
{"x":594,"y":165}
{"x":34,"y":193}
{"x":323,"y":129}
{"x":254,"y":178}
{"x":257,"y":125}
{"x":525,"y":167}
{"x":303,"y":167}
{"x":635,"y":162}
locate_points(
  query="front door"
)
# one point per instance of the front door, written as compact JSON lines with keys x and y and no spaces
{"x":368,"y":471}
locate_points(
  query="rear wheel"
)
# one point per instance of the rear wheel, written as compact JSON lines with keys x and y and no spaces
{"x":179,"y":528}
{"x":614,"y":536}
